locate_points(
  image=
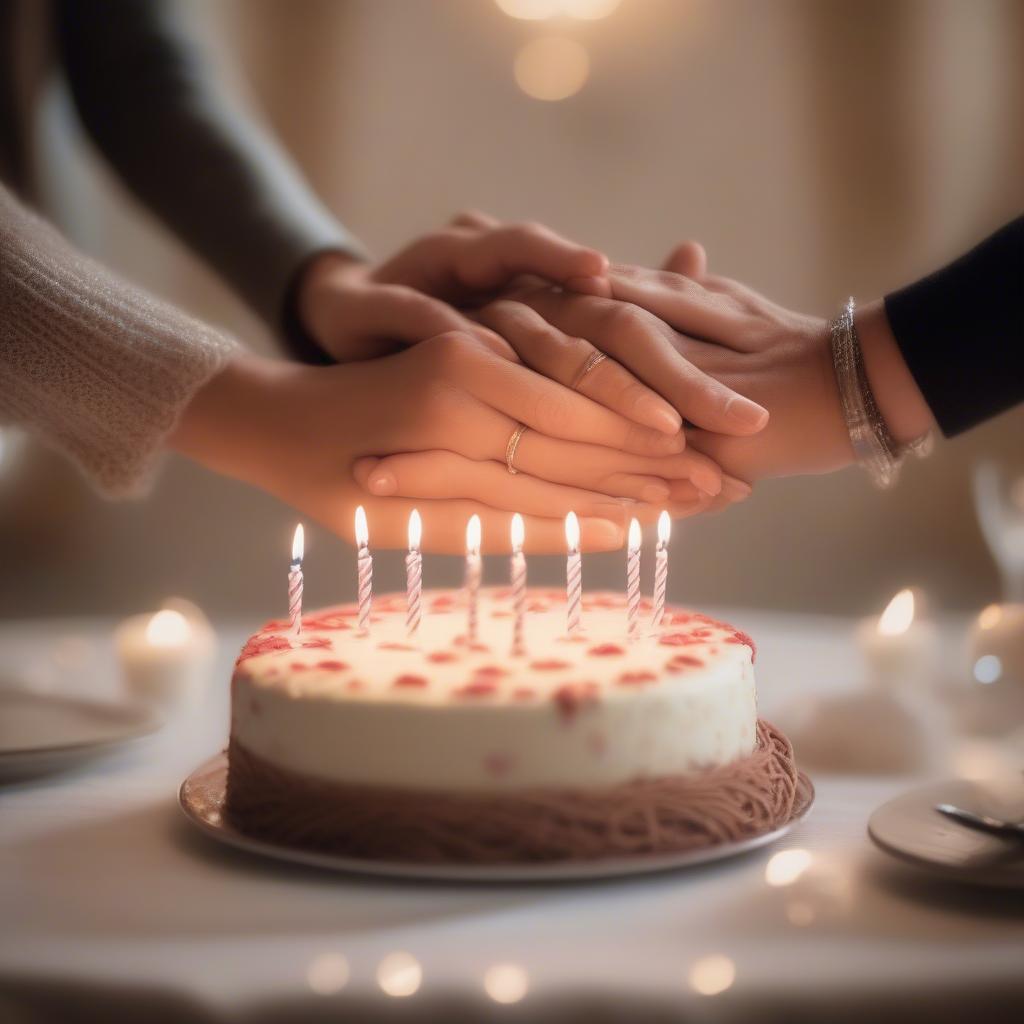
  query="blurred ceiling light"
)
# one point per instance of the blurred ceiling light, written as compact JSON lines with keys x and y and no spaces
{"x":552,"y":68}
{"x":530,"y":10}
{"x":506,"y":983}
{"x":712,"y":974}
{"x":589,"y":10}
{"x":399,"y":975}
{"x":327,"y":974}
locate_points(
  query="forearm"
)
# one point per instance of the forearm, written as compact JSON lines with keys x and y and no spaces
{"x":151,"y":102}
{"x":92,"y":366}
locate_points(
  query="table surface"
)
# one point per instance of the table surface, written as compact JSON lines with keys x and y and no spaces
{"x":106,"y":889}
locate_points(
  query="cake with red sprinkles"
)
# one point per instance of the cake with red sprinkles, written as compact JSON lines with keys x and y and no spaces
{"x":442,"y":748}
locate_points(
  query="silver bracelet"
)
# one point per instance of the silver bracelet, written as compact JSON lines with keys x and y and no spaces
{"x":873,"y":445}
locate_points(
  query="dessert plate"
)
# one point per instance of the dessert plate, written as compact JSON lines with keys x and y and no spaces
{"x":202,"y":799}
{"x":911,"y":829}
{"x":42,"y":733}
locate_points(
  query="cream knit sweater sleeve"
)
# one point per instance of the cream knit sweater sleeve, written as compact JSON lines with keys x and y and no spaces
{"x":94,"y":367}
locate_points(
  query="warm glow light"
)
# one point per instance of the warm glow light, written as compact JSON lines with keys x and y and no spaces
{"x":506,"y":983}
{"x":712,"y":974}
{"x":552,"y":68}
{"x":987,"y":669}
{"x":786,"y":867}
{"x":327,"y":974}
{"x":518,"y":532}
{"x":589,"y":10}
{"x":898,"y":614}
{"x":399,"y":975}
{"x":362,"y":527}
{"x":572,"y":532}
{"x":167,"y":628}
{"x":415,"y":530}
{"x":664,"y":528}
{"x":473,"y":534}
{"x":530,"y":10}
{"x":990,"y":617}
{"x":635,"y":538}
{"x":298,"y":544}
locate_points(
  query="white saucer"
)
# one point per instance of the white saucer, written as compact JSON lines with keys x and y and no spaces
{"x":202,"y":799}
{"x":42,"y":733}
{"x":911,"y":829}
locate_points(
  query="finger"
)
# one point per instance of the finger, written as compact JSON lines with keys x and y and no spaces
{"x":645,"y":345}
{"x":444,"y":527}
{"x":688,"y":259}
{"x":488,"y":260}
{"x":474,"y":219}
{"x":571,"y":361}
{"x":443,"y":474}
{"x":404,"y":314}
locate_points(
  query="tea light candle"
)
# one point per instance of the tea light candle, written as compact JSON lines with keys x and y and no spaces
{"x":165,"y":658}
{"x":899,"y":646}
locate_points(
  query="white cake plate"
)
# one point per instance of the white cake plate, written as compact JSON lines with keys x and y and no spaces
{"x":910,"y":829}
{"x":202,"y":799}
{"x":42,"y":733}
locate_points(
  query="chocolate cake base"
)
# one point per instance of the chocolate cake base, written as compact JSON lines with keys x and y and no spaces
{"x":651,"y":816}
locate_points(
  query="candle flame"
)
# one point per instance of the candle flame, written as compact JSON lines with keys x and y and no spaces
{"x":298,"y":544}
{"x":572,"y":532}
{"x":415,"y":530}
{"x":664,"y":528}
{"x":362,"y":527}
{"x":634,"y":535}
{"x":473,"y":533}
{"x":518,"y":532}
{"x":167,"y":628}
{"x":898,"y":614}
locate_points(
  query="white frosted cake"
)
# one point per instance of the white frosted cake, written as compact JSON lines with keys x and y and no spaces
{"x":438,"y":748}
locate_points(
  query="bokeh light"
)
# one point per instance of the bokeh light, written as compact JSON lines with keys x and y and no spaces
{"x":711,"y":975}
{"x":786,"y":867}
{"x":399,"y":975}
{"x":506,"y":983}
{"x":327,"y":974}
{"x":988,"y":668}
{"x":589,"y":10}
{"x":530,"y":10}
{"x":552,"y":68}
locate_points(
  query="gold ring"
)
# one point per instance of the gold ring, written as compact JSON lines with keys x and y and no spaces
{"x":513,"y":444}
{"x":595,"y":359}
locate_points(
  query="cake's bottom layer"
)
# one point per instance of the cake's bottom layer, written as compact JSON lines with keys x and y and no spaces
{"x":666,"y":815}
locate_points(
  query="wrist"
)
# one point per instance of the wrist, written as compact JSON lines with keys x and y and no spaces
{"x":321,"y":281}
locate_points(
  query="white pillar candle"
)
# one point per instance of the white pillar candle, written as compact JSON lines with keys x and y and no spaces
{"x":573,"y":575}
{"x":633,"y":579}
{"x":518,"y":577}
{"x":364,"y":566}
{"x":661,"y":569}
{"x":295,"y":581}
{"x":474,"y":571}
{"x":899,"y":645}
{"x":414,"y":575}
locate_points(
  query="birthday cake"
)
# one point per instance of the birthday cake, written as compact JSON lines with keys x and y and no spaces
{"x":447,"y":749}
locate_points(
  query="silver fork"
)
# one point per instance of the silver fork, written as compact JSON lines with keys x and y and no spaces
{"x":983,"y":822}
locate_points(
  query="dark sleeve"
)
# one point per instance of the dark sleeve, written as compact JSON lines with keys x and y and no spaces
{"x":961,"y":331}
{"x":150,"y":100}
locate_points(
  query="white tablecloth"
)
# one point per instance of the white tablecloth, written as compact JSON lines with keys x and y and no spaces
{"x":110,"y":903}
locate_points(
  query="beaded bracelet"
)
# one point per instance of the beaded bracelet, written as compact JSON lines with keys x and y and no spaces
{"x":873,"y":445}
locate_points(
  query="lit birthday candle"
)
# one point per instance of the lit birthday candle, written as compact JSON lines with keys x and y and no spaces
{"x":474,"y":570}
{"x":518,"y":572}
{"x":661,"y":569}
{"x":414,"y":575}
{"x":364,"y":566}
{"x":573,"y":574}
{"x":295,"y":581}
{"x":633,"y":579}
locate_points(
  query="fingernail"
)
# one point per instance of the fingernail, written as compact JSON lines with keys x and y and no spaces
{"x":602,"y":535}
{"x":657,"y":414}
{"x":671,"y":445}
{"x":735,"y":490}
{"x":746,"y":413}
{"x":707,"y":479}
{"x":655,"y":492}
{"x":382,"y":482}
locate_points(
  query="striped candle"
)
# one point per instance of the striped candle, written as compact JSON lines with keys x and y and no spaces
{"x":633,"y":579}
{"x":364,"y":568}
{"x":295,"y":581}
{"x":414,"y":575}
{"x":573,"y":575}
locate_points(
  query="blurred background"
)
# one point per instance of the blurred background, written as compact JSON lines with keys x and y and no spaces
{"x":818,"y":149}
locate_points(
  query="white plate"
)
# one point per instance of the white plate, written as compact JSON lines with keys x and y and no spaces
{"x":41,"y":733}
{"x":911,"y":829}
{"x":202,"y":799}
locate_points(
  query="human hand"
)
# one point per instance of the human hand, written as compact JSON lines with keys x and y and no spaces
{"x":298,"y":432}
